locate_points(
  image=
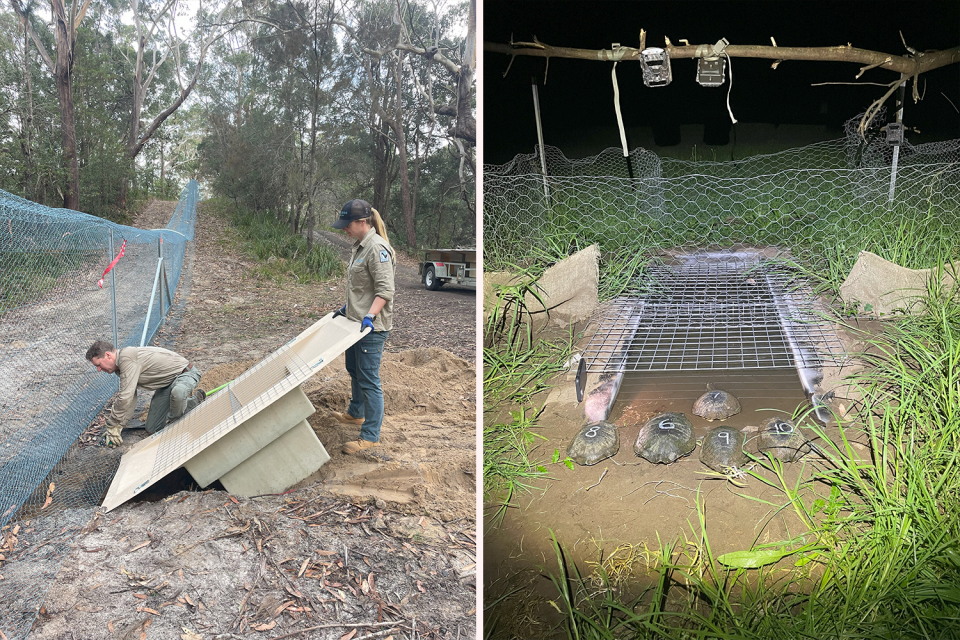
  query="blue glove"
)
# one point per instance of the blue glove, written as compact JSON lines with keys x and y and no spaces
{"x":342,"y":311}
{"x":367,"y":322}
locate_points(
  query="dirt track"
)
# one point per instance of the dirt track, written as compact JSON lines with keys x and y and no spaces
{"x":387,"y":539}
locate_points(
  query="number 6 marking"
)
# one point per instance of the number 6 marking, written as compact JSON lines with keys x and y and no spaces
{"x":592,"y":431}
{"x":783,"y":427}
{"x":666,"y":424}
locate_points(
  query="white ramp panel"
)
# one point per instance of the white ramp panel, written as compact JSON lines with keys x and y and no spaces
{"x":257,"y":389}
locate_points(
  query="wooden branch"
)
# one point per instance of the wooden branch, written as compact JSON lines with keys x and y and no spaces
{"x":900,"y":64}
{"x":33,"y":36}
{"x":875,"y":106}
{"x":872,"y":66}
{"x":83,"y":12}
{"x":855,"y":84}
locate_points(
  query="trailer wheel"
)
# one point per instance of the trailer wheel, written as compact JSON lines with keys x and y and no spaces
{"x":430,"y":280}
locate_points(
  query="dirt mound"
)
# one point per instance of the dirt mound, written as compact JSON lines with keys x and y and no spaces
{"x":426,"y":460}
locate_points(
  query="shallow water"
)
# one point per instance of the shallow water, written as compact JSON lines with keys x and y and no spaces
{"x":762,"y":393}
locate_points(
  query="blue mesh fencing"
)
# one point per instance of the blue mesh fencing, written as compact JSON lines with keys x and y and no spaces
{"x":52,"y":473}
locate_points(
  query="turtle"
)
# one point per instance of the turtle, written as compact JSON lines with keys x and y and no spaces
{"x":595,"y":442}
{"x":722,"y":448}
{"x":781,"y":439}
{"x":665,"y":437}
{"x":716,"y":404}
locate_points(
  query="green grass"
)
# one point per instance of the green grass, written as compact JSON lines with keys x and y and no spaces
{"x":517,"y":363}
{"x":280,"y":254}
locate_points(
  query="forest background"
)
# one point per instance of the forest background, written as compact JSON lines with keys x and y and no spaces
{"x":288,"y":108}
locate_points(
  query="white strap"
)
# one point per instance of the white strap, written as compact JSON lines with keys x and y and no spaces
{"x":616,"y":107}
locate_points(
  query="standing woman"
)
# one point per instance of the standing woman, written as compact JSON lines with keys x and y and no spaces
{"x":370,"y":289}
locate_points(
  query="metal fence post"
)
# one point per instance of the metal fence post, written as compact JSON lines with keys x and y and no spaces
{"x":543,"y":159}
{"x":153,"y":293}
{"x":113,"y":298}
{"x":896,"y":149}
{"x":163,"y":279}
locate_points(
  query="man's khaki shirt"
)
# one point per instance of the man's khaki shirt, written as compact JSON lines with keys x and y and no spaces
{"x":149,"y":368}
{"x":370,"y":274}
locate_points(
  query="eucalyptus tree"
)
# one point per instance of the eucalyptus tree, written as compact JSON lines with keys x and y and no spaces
{"x":401,"y":45}
{"x":153,"y":42}
{"x":298,"y":47}
{"x":30,"y":157}
{"x":65,"y":22}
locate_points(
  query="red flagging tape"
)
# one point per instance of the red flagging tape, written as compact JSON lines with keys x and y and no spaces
{"x":112,"y":264}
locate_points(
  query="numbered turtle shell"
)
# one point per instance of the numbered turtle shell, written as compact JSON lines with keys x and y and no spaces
{"x":716,"y":404}
{"x":596,"y":441}
{"x":782,"y":439}
{"x":665,"y":437}
{"x":723,"y":447}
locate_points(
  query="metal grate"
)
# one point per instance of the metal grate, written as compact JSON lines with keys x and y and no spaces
{"x":715,"y":311}
{"x":250,"y":392}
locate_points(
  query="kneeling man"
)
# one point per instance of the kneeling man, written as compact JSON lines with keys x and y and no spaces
{"x":169,"y":375}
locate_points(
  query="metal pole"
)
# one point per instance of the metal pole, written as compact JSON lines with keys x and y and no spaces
{"x":113,"y":292}
{"x":113,"y":299}
{"x":153,"y":293}
{"x":163,"y":299}
{"x":543,"y":159}
{"x":896,"y":149}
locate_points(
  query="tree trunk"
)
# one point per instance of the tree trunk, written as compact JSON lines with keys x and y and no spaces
{"x":63,"y":76}
{"x":310,"y":218}
{"x":26,"y":144}
{"x":68,"y":134}
{"x":381,"y":176}
{"x":397,"y":125}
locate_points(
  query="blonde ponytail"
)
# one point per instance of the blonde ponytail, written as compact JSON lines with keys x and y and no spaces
{"x":378,"y":225}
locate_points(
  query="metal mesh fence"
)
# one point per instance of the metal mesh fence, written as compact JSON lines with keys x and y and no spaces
{"x":52,"y":476}
{"x":822,"y":203}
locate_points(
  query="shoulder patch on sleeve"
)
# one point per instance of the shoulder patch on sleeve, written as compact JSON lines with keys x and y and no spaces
{"x":384,"y":255}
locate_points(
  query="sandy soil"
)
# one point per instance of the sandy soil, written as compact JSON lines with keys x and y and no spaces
{"x":620,"y":511}
{"x":370,"y":546}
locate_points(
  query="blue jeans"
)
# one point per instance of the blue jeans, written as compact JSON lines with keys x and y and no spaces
{"x":366,"y":395}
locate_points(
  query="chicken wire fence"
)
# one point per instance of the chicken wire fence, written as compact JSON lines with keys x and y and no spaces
{"x":52,"y":473}
{"x":827,"y":199}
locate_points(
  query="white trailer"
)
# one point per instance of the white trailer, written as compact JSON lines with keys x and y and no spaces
{"x":440,"y":266}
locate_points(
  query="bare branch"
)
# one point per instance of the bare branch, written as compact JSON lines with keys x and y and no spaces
{"x":844,"y":53}
{"x":875,"y":106}
{"x":950,"y":101}
{"x":33,"y":36}
{"x":856,"y":84}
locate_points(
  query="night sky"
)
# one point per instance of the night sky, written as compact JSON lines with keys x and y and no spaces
{"x":577,"y":99}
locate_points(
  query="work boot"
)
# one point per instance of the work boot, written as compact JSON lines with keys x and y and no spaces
{"x":346,"y":418}
{"x":356,"y":446}
{"x":193,"y":401}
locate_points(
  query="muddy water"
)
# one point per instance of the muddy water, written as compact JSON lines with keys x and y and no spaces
{"x":760,"y":392}
{"x":625,"y":500}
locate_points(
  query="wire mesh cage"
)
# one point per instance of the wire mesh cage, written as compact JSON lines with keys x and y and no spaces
{"x":835,"y":196}
{"x":51,"y":309}
{"x":815,"y":207}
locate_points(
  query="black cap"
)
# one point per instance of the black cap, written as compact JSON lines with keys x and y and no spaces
{"x":353,"y":210}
